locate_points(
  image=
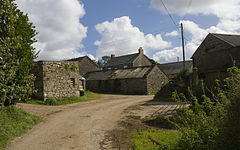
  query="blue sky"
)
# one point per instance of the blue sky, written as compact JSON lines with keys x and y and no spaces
{"x":72,"y":28}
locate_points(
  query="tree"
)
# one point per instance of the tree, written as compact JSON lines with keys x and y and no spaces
{"x":16,"y":54}
{"x":103,"y":61}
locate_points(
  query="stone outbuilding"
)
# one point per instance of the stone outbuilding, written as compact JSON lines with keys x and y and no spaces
{"x":85,"y":64}
{"x":215,"y":54}
{"x":128,"y":61}
{"x":171,"y":69}
{"x":136,"y":80}
{"x":58,"y":79}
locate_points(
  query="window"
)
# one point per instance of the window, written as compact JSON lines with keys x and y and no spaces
{"x":72,"y":81}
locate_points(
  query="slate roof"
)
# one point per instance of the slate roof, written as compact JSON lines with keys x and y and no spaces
{"x":79,"y":59}
{"x":232,"y":39}
{"x":137,"y":72}
{"x":121,"y":60}
{"x":175,"y":67}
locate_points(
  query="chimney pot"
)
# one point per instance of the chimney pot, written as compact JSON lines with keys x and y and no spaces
{"x":140,"y":50}
{"x":112,"y":55}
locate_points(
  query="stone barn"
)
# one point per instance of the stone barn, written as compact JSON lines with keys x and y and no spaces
{"x":58,"y":79}
{"x":171,"y":69}
{"x":215,"y":54}
{"x":85,"y":64}
{"x":137,"y":80}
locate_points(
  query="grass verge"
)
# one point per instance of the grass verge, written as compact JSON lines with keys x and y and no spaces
{"x":163,"y":99}
{"x":14,"y":122}
{"x":154,"y":139}
{"x":66,"y":100}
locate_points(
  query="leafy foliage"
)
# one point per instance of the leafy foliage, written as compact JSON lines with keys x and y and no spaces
{"x":179,"y":83}
{"x":213,"y":122}
{"x":103,"y":61}
{"x":17,"y":54}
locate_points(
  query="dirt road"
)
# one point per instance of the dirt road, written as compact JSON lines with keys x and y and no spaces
{"x":79,"y":126}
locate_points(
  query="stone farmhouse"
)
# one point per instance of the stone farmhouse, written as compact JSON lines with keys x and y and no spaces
{"x":128,"y":74}
{"x":58,"y":79}
{"x":171,"y":69}
{"x":135,"y":80}
{"x":85,"y":64}
{"x":128,"y":61}
{"x":215,"y":54}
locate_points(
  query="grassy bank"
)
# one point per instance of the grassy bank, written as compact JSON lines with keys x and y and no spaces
{"x":154,"y":139}
{"x":68,"y":100}
{"x":14,"y":122}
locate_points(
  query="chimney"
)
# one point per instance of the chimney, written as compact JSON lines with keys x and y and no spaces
{"x":112,"y":55}
{"x":140,"y":50}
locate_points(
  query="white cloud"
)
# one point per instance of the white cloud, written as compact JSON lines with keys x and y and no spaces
{"x":228,"y":13}
{"x":120,"y":37}
{"x":171,"y":55}
{"x":221,"y":8}
{"x":173,"y":33}
{"x":57,"y":21}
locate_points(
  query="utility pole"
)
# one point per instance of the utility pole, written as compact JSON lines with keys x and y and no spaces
{"x":184,"y":65}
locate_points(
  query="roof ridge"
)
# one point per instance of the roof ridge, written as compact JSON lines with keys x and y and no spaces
{"x":232,"y":34}
{"x":126,"y":55}
{"x":224,"y":39}
{"x":175,"y":62}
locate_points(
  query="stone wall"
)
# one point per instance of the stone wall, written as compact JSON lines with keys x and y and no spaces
{"x":123,"y":86}
{"x":155,"y":79}
{"x":211,"y":54}
{"x":141,"y":60}
{"x":59,"y":79}
{"x":86,"y":65}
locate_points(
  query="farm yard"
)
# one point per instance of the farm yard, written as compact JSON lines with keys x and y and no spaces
{"x":60,"y":91}
{"x":83,"y":125}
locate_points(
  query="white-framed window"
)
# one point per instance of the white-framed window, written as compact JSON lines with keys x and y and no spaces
{"x":72,"y":81}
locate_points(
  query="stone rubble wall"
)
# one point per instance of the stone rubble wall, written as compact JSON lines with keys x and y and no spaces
{"x":57,"y":79}
{"x":155,"y":80}
{"x":120,"y":86}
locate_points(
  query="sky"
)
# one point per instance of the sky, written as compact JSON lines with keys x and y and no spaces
{"x":74,"y":28}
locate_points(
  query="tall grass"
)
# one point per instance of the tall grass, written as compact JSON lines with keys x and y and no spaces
{"x":66,"y":100}
{"x":14,"y":122}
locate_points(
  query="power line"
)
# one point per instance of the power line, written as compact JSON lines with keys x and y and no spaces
{"x":170,"y":15}
{"x":187,"y":9}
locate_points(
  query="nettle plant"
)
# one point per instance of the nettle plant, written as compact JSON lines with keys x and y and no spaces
{"x":208,"y":123}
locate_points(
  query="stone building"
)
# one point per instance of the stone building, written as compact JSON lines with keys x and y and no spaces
{"x":128,"y":61}
{"x":215,"y":54}
{"x":135,"y":80}
{"x":58,"y":79}
{"x":171,"y":69}
{"x":85,"y":64}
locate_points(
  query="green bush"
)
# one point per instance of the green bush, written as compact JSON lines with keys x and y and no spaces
{"x":212,"y":122}
{"x":178,"y":83}
{"x":51,"y":101}
{"x":16,"y":54}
